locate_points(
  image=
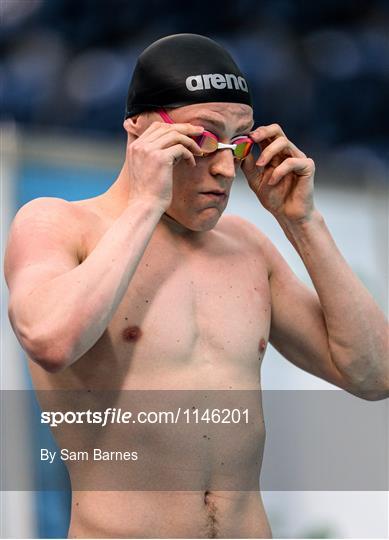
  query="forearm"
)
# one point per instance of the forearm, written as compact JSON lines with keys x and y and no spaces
{"x":357,"y":329}
{"x":67,"y":315}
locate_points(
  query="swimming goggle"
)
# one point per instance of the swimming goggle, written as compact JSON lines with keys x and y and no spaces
{"x":208,"y":142}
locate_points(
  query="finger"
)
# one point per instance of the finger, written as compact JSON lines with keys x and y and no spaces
{"x":267,"y":132}
{"x":156,"y":129}
{"x":171,"y":138}
{"x":250,"y":168}
{"x":302,"y":166}
{"x":178,"y":152}
{"x":281,"y":144}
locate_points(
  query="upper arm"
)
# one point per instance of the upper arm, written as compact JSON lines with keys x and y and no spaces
{"x":298,"y":330}
{"x":42,"y":245}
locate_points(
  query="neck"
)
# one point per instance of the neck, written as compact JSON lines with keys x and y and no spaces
{"x":117,"y":198}
{"x":119,"y":192}
{"x":179,"y":231}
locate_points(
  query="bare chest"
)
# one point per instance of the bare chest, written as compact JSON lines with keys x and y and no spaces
{"x":188,"y":317}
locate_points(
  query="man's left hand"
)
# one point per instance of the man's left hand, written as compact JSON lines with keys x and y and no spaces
{"x":282,"y":177}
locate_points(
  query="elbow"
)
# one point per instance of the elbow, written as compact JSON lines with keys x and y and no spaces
{"x":374,"y":391}
{"x":52,"y":357}
{"x":50,"y":363}
{"x":374,"y":395}
{"x":52,"y":350}
{"x":369,"y":380}
{"x":377,"y":388}
{"x":49,"y":352}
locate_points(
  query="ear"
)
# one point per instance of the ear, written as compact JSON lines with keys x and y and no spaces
{"x":135,"y":125}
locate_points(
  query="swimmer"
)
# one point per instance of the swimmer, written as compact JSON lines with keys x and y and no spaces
{"x":149,"y":286}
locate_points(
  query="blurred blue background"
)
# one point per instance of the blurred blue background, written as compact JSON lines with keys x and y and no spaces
{"x":319,"y":69}
{"x":36,"y":180}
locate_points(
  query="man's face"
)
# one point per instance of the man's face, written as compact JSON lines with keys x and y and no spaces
{"x":191,"y":205}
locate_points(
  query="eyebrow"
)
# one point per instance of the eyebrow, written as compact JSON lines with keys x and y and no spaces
{"x":221,"y":125}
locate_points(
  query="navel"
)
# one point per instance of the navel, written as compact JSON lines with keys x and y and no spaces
{"x":131,"y":333}
{"x":212,"y":521}
{"x":206,"y":496}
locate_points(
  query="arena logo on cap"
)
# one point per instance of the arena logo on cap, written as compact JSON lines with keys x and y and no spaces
{"x":216,"y":80}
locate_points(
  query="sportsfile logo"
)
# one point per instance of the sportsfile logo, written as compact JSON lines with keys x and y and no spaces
{"x":216,"y":80}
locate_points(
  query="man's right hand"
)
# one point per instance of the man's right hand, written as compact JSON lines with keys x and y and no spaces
{"x":152,"y":156}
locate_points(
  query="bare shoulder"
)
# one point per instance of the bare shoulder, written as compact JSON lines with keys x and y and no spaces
{"x":44,"y":228}
{"x":71,"y":217}
{"x":249,"y":236}
{"x":242,"y":229}
{"x":48,"y":208}
{"x":50,"y":214}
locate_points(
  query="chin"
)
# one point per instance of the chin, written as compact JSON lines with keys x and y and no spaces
{"x":202,"y":228}
{"x":206,"y":220}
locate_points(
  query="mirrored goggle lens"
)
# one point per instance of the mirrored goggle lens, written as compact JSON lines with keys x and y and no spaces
{"x":207,"y":142}
{"x":243,"y":149}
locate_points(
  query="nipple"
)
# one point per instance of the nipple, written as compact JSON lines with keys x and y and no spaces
{"x":131,"y":333}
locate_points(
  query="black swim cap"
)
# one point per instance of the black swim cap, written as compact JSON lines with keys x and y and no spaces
{"x":183,"y":69}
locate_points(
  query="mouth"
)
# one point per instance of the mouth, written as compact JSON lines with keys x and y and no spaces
{"x":217,"y":195}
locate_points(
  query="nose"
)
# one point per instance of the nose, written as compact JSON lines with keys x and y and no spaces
{"x":223,"y":164}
